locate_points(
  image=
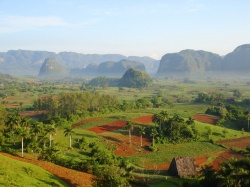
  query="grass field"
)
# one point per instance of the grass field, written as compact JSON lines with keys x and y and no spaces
{"x":16,"y":173}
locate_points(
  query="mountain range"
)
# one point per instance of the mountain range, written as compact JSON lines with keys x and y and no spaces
{"x":184,"y":63}
{"x":28,"y":63}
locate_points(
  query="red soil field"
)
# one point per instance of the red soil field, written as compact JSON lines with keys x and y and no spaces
{"x":206,"y":118}
{"x":124,"y":148}
{"x":72,"y":177}
{"x":224,"y":156}
{"x":114,"y":125}
{"x":240,"y":143}
{"x":144,"y":119}
{"x":82,"y":122}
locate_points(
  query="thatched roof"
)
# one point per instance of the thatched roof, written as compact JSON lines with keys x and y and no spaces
{"x":183,"y":166}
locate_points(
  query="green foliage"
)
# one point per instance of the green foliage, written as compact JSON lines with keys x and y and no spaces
{"x":232,"y":172}
{"x":135,"y":79}
{"x":102,"y":81}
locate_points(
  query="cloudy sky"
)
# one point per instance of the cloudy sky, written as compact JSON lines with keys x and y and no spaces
{"x":128,"y":27}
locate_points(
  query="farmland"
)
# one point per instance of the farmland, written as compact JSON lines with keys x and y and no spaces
{"x":104,"y":128}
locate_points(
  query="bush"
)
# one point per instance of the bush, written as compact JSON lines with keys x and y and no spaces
{"x":153,"y":148}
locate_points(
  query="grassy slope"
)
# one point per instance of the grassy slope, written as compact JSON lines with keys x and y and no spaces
{"x":16,"y":173}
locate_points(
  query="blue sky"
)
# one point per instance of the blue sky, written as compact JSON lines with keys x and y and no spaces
{"x":129,"y":27}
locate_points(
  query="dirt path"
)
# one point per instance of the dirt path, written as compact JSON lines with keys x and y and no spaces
{"x":72,"y":177}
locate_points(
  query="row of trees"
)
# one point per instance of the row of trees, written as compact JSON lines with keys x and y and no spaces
{"x":22,"y":128}
{"x":77,"y":105}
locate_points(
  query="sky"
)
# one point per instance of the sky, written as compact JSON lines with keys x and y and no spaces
{"x":129,"y":27}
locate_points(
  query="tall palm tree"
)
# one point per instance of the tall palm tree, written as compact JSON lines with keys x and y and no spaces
{"x":51,"y":130}
{"x":141,"y":132}
{"x":129,"y":126}
{"x":153,"y":134}
{"x":69,"y":132}
{"x":23,"y":132}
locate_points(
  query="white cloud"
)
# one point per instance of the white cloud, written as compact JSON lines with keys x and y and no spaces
{"x":20,"y":23}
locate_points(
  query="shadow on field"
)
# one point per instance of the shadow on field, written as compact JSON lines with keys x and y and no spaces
{"x":111,"y":138}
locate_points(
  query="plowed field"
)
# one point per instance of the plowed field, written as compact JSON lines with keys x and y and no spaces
{"x":240,"y":143}
{"x":224,"y":156}
{"x":206,"y":118}
{"x":114,"y":125}
{"x":144,"y":119}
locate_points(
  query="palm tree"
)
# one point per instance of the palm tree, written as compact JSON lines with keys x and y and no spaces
{"x":25,"y":121}
{"x":141,"y":132}
{"x":23,"y":132}
{"x":153,"y":134}
{"x":129,"y":126}
{"x":160,"y":118}
{"x":248,"y":117}
{"x":69,"y":132}
{"x":51,"y":130}
{"x":36,"y":129}
{"x":12,"y":123}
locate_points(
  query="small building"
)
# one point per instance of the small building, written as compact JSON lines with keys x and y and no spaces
{"x":183,"y":167}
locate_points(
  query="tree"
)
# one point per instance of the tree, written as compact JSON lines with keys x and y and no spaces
{"x":153,"y":133}
{"x":237,"y":93}
{"x":190,"y":121}
{"x":23,"y":132}
{"x":129,"y":126}
{"x":69,"y":132}
{"x":12,"y":122}
{"x":141,"y":132}
{"x":248,"y":117}
{"x":209,"y":132}
{"x":36,"y":128}
{"x":51,"y":130}
{"x":160,"y":118}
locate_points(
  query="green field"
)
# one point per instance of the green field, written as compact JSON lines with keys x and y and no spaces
{"x":16,"y":173}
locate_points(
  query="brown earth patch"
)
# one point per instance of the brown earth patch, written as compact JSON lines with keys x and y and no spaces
{"x":206,"y":118}
{"x":144,"y":119}
{"x":240,"y":143}
{"x":224,"y":156}
{"x":200,"y":160}
{"x":124,"y":148}
{"x":72,"y":177}
{"x":114,"y":125}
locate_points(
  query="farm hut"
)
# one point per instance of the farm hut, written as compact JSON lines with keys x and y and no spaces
{"x":183,"y":166}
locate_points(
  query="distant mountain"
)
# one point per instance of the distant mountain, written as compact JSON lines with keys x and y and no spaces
{"x":118,"y":68}
{"x":188,"y":62}
{"x":28,"y":63}
{"x":22,"y":62}
{"x":52,"y":68}
{"x":151,"y":65}
{"x":238,"y":60}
